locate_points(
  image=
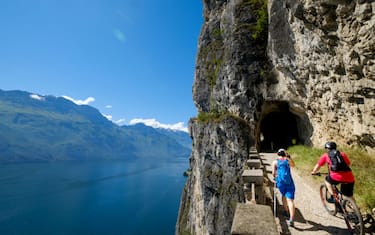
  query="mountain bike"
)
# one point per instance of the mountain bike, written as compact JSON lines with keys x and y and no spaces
{"x":343,"y":205}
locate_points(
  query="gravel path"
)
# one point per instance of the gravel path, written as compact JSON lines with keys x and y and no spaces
{"x":311,"y":217}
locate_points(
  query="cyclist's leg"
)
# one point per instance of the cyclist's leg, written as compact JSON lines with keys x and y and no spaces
{"x":347,"y":189}
{"x":329,"y":181}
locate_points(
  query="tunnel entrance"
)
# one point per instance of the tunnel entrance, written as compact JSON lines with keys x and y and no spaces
{"x":281,"y":127}
{"x":279,"y":130}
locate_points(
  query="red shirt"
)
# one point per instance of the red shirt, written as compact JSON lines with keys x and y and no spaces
{"x":340,"y":176}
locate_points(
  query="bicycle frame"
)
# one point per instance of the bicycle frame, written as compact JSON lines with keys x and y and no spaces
{"x":337,"y":195}
{"x":346,"y":206}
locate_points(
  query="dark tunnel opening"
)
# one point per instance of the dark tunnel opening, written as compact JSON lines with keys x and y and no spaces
{"x":280,"y":126}
{"x":278,"y":130}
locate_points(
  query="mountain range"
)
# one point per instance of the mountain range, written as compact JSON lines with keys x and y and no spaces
{"x":49,"y":128}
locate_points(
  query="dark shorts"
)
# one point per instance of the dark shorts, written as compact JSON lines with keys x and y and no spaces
{"x":346,"y":188}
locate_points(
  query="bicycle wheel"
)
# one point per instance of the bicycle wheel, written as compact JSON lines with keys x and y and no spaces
{"x":352,"y":216}
{"x":324,"y":196}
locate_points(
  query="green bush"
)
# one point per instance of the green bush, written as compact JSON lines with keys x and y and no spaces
{"x":209,"y":116}
{"x":262,"y":19}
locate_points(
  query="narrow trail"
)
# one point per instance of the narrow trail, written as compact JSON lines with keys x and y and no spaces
{"x":311,"y":217}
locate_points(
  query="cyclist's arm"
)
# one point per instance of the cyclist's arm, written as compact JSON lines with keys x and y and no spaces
{"x":321,"y":162}
{"x":316,"y":169}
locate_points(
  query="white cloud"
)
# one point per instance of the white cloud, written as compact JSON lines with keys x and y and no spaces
{"x":87,"y":101}
{"x":119,"y":35}
{"x":153,"y":123}
{"x":108,"y":106}
{"x":109,"y":117}
{"x":120,"y":122}
{"x":37,"y":97}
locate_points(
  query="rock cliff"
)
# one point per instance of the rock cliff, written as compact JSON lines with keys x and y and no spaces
{"x":271,"y":74}
{"x":323,"y":56}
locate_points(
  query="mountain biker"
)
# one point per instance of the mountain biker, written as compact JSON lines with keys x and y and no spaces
{"x":344,"y":177}
{"x":281,"y":167}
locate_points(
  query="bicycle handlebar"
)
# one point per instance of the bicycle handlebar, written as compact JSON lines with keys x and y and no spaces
{"x":320,"y":173}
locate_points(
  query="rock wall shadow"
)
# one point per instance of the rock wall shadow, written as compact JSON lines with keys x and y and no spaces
{"x":311,"y":225}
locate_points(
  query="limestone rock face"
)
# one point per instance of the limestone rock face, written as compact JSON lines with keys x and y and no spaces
{"x":229,"y":60}
{"x":307,"y":77}
{"x":323,"y":55}
{"x":214,"y":187}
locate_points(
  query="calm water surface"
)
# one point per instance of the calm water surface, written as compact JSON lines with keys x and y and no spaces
{"x":102,"y":197}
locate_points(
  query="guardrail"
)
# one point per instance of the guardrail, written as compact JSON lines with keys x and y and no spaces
{"x":254,"y":216}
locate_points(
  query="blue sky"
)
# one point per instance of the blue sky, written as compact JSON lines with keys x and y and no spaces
{"x":133,"y":60}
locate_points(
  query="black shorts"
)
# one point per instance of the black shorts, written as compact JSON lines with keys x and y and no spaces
{"x":346,"y":188}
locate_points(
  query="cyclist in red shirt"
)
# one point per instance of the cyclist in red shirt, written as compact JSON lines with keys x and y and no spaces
{"x":344,"y":177}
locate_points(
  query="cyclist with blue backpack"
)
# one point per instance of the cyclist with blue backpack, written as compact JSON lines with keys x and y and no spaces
{"x":284,"y":182}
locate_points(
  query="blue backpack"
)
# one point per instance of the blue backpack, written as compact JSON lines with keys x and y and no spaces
{"x":284,"y":176}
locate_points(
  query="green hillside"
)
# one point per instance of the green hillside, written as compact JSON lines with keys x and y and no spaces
{"x":52,"y":128}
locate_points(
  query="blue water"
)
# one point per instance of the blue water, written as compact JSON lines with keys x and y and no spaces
{"x":101,"y":197}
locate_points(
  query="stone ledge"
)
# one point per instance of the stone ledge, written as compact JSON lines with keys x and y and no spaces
{"x":254,"y":156}
{"x":252,"y":219}
{"x":253,"y":176}
{"x":256,"y":163}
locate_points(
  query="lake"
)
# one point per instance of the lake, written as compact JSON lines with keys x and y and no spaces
{"x":99,"y":197}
